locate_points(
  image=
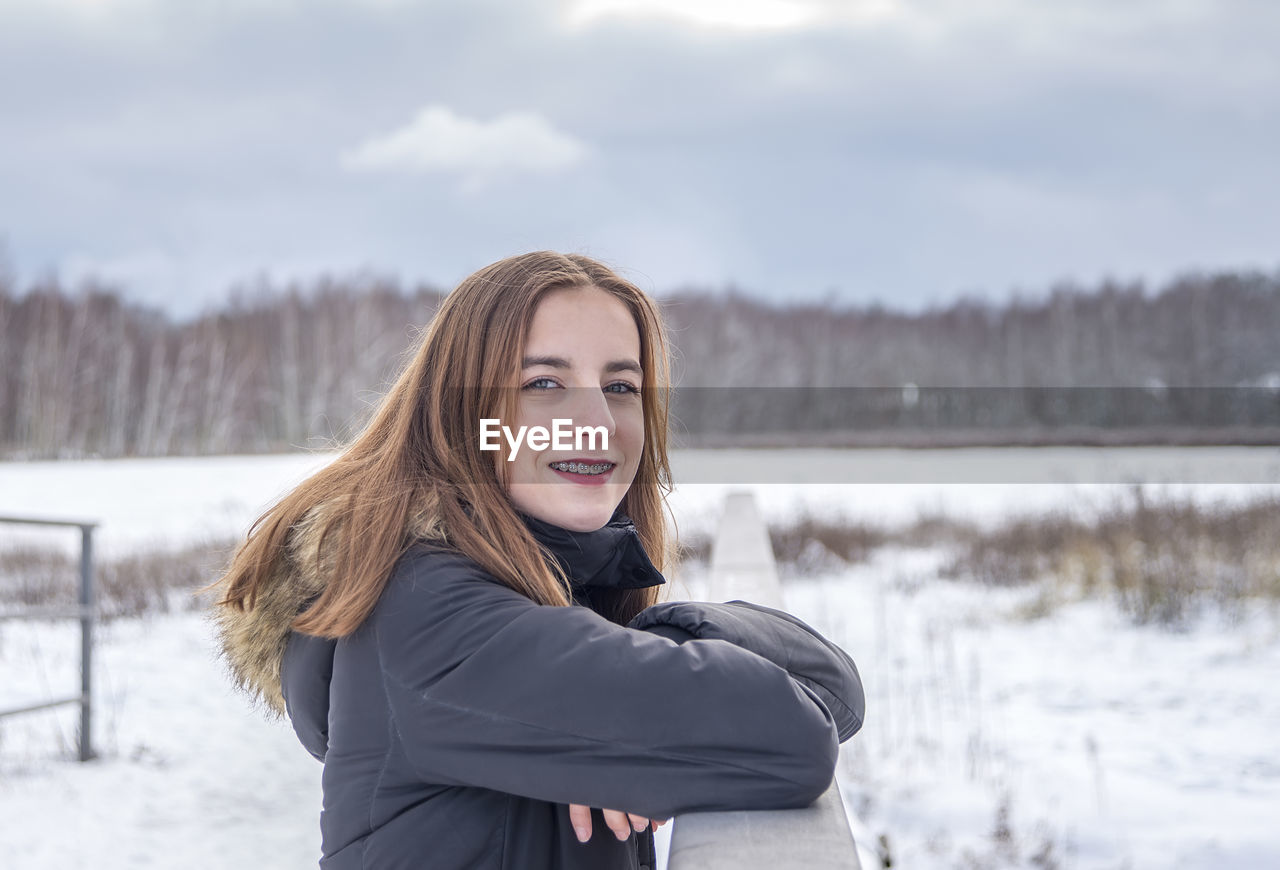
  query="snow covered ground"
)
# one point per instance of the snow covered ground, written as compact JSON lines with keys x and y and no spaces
{"x":189,"y":776}
{"x":1108,"y":746}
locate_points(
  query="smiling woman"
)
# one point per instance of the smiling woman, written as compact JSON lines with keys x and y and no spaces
{"x":591,"y":388}
{"x":472,"y":643}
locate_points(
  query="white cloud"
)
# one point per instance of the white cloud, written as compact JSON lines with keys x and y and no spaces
{"x":440,"y":140}
{"x":779,"y":140}
{"x":743,"y":15}
{"x":738,"y":14}
{"x":77,"y":7}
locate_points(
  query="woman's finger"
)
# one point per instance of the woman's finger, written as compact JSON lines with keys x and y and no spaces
{"x":580,"y":818}
{"x":618,"y":822}
{"x":638,"y":822}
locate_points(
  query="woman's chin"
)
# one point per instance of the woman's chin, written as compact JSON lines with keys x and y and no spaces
{"x":573,"y":510}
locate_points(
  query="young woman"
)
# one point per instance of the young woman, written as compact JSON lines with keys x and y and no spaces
{"x":470,"y":639}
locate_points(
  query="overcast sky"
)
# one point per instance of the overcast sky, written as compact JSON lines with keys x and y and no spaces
{"x":904,"y":151}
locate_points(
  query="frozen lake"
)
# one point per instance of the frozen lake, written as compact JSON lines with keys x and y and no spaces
{"x":162,"y":502}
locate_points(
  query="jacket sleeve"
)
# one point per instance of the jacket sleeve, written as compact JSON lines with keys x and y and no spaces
{"x":305,"y":672}
{"x":779,"y":637}
{"x":489,"y":689}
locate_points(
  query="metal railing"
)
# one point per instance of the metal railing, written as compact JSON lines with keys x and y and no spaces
{"x":816,"y":837}
{"x":86,"y":613}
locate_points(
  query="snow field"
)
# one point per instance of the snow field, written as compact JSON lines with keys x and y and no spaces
{"x":1107,"y":745}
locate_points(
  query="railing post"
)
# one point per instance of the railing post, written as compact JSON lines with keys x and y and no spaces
{"x":742,"y":562}
{"x":816,"y":837}
{"x":86,"y":613}
{"x":86,"y":642}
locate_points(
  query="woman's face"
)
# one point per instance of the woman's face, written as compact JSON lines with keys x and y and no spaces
{"x":581,"y":362}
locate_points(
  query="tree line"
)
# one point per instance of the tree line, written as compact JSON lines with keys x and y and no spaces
{"x":84,"y":372}
{"x":88,"y":373}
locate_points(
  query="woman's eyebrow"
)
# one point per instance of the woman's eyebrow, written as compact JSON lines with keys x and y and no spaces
{"x":559,"y":362}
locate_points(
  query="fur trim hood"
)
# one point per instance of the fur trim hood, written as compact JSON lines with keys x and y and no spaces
{"x":251,"y":642}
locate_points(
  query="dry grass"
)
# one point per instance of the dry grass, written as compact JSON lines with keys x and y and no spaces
{"x":144,"y":582}
{"x":808,"y":544}
{"x":850,"y":542}
{"x":1164,"y":561}
{"x":1019,"y":551}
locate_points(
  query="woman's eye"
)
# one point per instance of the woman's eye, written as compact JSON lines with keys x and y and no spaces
{"x":542,"y":384}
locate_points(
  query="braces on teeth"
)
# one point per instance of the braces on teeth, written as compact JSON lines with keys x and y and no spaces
{"x":580,"y":468}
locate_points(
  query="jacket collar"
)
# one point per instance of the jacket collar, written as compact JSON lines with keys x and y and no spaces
{"x":611,"y":556}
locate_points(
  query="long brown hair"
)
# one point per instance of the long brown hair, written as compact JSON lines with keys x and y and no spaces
{"x":421,"y":453}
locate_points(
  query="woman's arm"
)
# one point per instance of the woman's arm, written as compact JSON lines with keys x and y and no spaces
{"x":557,"y":703}
{"x":777,"y":636}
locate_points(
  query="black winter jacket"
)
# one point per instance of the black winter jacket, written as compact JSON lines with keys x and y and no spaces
{"x":458,"y":723}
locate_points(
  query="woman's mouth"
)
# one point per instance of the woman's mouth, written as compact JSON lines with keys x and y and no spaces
{"x":584,"y":472}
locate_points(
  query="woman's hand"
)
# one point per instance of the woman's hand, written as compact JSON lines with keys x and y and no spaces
{"x":619,"y":822}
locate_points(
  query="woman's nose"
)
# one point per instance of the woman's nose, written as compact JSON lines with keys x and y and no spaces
{"x":591,"y":408}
